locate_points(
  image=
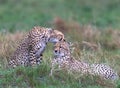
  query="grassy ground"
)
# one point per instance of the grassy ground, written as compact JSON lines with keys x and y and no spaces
{"x":79,"y":20}
{"x":24,"y":77}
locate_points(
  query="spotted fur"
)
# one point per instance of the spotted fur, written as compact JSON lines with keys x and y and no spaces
{"x":103,"y":71}
{"x":63,"y":58}
{"x":29,"y":52}
{"x":65,"y":61}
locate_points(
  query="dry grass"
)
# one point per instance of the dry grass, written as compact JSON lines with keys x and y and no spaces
{"x":109,"y":38}
{"x":8,"y":44}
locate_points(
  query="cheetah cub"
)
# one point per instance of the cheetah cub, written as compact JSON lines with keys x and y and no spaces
{"x":63,"y":59}
{"x":29,"y":52}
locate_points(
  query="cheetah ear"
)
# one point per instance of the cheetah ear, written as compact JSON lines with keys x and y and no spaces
{"x":50,"y":30}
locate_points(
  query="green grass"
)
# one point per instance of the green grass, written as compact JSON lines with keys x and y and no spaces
{"x":24,"y":14}
{"x":39,"y":78}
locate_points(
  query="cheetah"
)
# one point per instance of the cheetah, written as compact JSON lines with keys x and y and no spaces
{"x":29,"y":52}
{"x":64,"y":59}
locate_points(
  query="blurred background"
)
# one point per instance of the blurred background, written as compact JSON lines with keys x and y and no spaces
{"x":24,"y":14}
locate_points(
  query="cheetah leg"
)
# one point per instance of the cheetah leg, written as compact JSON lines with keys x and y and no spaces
{"x":39,"y":59}
{"x":36,"y":54}
{"x":12,"y":63}
{"x":40,"y":48}
{"x":32,"y":58}
{"x":39,"y":52}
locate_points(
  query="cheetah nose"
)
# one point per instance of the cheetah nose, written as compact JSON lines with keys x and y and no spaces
{"x":55,"y":51}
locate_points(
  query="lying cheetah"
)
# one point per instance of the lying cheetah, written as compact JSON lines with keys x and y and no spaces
{"x":29,"y":52}
{"x":63,"y":58}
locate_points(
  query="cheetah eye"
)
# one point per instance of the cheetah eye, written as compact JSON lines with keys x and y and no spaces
{"x":60,"y":39}
{"x":38,"y":48}
{"x":42,"y":37}
{"x":64,"y":40}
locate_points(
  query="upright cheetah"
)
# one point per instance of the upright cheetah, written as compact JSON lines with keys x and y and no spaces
{"x":29,"y":52}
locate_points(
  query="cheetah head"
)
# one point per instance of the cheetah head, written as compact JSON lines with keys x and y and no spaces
{"x":56,"y":36}
{"x":61,"y":49}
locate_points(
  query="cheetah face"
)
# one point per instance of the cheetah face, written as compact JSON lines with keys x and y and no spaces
{"x":57,"y":53}
{"x":61,"y":49}
{"x":56,"y":36}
